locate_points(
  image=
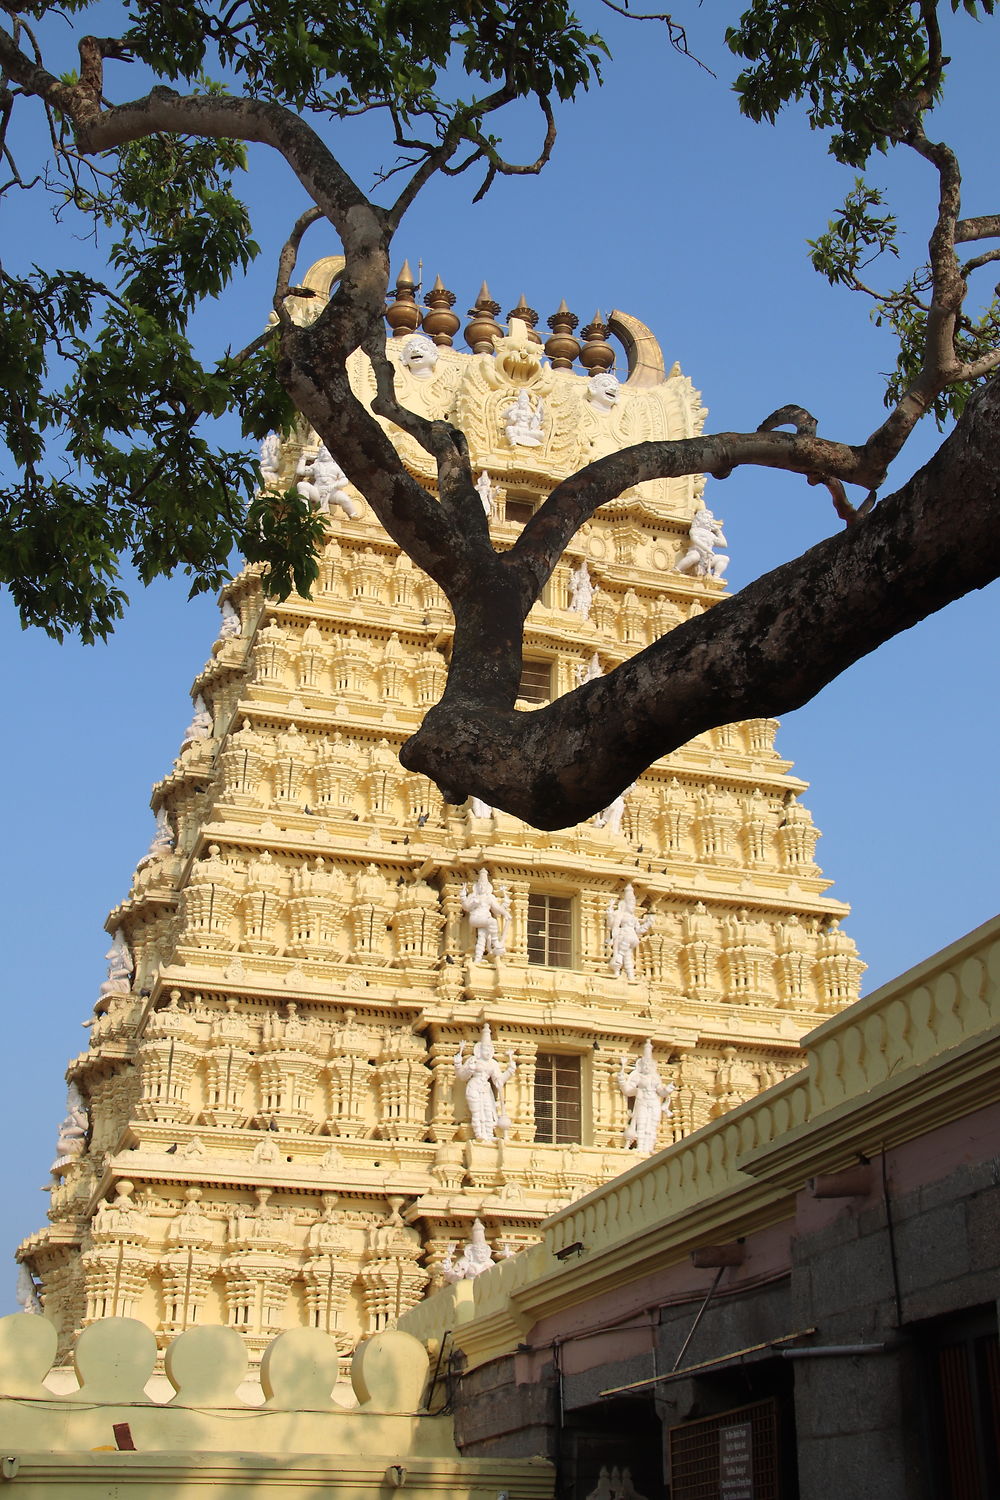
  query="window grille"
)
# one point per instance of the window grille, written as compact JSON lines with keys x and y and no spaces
{"x":557,"y":1098}
{"x":550,"y":930}
{"x":535,"y":685}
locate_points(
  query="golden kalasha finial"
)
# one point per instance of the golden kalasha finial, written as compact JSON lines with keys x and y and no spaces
{"x":484,"y":328}
{"x":440,"y":323}
{"x":597,"y":353}
{"x":527,"y":316}
{"x":561,"y":346}
{"x":403,"y":315}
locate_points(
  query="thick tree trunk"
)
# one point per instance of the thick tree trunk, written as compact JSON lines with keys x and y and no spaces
{"x":760,"y":653}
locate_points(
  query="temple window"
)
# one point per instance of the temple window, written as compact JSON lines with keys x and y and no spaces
{"x":557,"y":1098}
{"x":535,"y":685}
{"x":550,"y":930}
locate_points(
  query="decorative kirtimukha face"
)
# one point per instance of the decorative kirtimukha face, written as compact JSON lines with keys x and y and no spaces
{"x":420,"y":357}
{"x":602,"y":390}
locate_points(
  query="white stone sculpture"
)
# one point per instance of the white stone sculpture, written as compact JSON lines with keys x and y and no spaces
{"x":486,"y":910}
{"x":323,"y":483}
{"x":419,"y":355}
{"x":162,"y":841}
{"x":476,"y":1257}
{"x":270,"y":461}
{"x":610,"y":817}
{"x":603,"y":390}
{"x":625,"y":929}
{"x":701,"y":559}
{"x":522,"y":422}
{"x":72,"y":1135}
{"x":651,"y":1099}
{"x":480,"y":809}
{"x":484,"y":1085}
{"x":232,"y":626}
{"x":488,"y":494}
{"x":581,"y":590}
{"x":202,"y":724}
{"x":589,"y":672}
{"x":27,"y":1291}
{"x":121,"y":966}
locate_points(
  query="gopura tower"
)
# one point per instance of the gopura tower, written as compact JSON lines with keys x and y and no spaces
{"x":278,"y":1133}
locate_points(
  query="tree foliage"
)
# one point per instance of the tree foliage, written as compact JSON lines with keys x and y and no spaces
{"x":108,"y":413}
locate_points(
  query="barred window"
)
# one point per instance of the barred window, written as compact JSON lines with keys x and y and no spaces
{"x":536,"y":680}
{"x":550,"y":930}
{"x":557,"y":1098}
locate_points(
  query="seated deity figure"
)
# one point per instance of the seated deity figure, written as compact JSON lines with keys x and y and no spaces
{"x":475,"y":1258}
{"x":602,"y":390}
{"x":232,"y":626}
{"x":323,"y":483}
{"x":202,"y":725}
{"x":705,"y":535}
{"x":162,"y":841}
{"x":419,"y":355}
{"x":625,"y":929}
{"x":651,"y":1096}
{"x":486,"y":911}
{"x":72,"y":1137}
{"x":270,"y":461}
{"x":581,"y":590}
{"x":484,"y":1085}
{"x":121,"y":966}
{"x":522,"y":423}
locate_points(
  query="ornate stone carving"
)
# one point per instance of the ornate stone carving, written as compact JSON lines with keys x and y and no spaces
{"x":323,"y":483}
{"x":489,"y":916}
{"x":626,"y":927}
{"x":476,"y":1257}
{"x":701,"y":558}
{"x":651,"y":1098}
{"x":484,"y":1085}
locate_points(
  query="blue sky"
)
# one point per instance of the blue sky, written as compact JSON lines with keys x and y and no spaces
{"x":663,"y":202}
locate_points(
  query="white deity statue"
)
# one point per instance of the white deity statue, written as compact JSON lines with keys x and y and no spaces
{"x":522,"y":422}
{"x":581,"y":590}
{"x":27,"y":1291}
{"x":419,"y":355}
{"x":610,"y":817}
{"x":72,"y":1136}
{"x":486,"y":910}
{"x":625,"y":929}
{"x":603,"y":390}
{"x":590,"y":672}
{"x":652,"y":1099}
{"x":701,"y":559}
{"x":323,"y":483}
{"x":121,"y":966}
{"x":162,"y":841}
{"x":480,"y":809}
{"x":202,"y":724}
{"x":475,"y":1258}
{"x":270,"y":461}
{"x":487,"y":494}
{"x":484,"y":1085}
{"x":232,"y":626}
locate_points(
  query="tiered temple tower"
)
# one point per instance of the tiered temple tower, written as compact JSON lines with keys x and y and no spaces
{"x":270,"y":1128}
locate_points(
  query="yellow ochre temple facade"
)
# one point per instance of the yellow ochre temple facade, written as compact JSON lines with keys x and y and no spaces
{"x":355,"y":1041}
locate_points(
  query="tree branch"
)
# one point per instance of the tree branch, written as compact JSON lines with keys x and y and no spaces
{"x":762,"y":652}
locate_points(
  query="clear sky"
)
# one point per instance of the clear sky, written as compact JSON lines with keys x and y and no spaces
{"x":663,"y":202}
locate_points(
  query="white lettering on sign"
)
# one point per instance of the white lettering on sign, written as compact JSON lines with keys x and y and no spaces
{"x":736,"y":1462}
